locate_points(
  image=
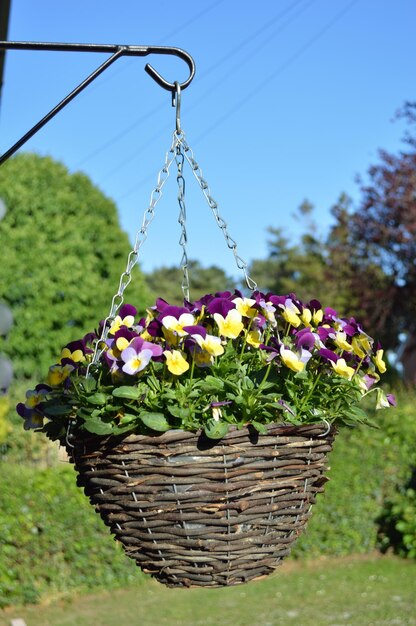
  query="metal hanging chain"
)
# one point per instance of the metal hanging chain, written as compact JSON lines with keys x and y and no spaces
{"x":222,"y":224}
{"x":178,"y":152}
{"x":133,"y":257}
{"x":180,"y":158}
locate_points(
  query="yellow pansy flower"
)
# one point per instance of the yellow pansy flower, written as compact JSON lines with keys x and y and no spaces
{"x":202,"y":358}
{"x":210,"y":344}
{"x":175,"y":325}
{"x":342,"y":369}
{"x":57,"y":374}
{"x":254,"y":338}
{"x":118,"y":322}
{"x":341,"y":341}
{"x":317,"y":317}
{"x":76,"y":355}
{"x":245,"y":306}
{"x":306,"y":316}
{"x":291,"y":360}
{"x":230,"y":326}
{"x":378,"y":360}
{"x":175,"y":362}
{"x":291,"y":314}
{"x":33,"y":398}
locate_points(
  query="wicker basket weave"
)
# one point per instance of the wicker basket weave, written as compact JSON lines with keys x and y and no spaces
{"x":193,"y":512}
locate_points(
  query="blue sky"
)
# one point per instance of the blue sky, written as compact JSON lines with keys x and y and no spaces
{"x":291,"y":100}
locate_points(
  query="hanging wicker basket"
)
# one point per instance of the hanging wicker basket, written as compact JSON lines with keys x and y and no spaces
{"x":193,"y":512}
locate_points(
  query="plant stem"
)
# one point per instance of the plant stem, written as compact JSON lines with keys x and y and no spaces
{"x":266,"y":375}
{"x":310,"y":392}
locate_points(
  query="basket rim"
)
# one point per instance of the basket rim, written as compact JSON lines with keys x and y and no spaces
{"x":319,"y":430}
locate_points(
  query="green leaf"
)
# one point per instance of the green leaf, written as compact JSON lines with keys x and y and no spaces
{"x":128,"y":418}
{"x":261,"y":428}
{"x":303,"y":375}
{"x":131,"y":393}
{"x":356,"y":414}
{"x":97,"y":398}
{"x":87,"y":384}
{"x":120,"y":430}
{"x":155,"y":421}
{"x":54,"y":410}
{"x":174,"y":410}
{"x":216,"y":430}
{"x":98,"y":427}
{"x":213,"y":383}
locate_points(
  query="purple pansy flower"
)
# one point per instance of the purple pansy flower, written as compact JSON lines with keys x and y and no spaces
{"x":138,"y":354}
{"x":196,"y":330}
{"x":127,"y":310}
{"x":306,"y":339}
{"x":174,"y":311}
{"x":220,"y":305}
{"x":328,"y":355}
{"x":325,"y":333}
{"x":391,"y":399}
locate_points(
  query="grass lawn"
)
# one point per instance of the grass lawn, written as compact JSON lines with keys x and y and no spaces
{"x":364,"y":591}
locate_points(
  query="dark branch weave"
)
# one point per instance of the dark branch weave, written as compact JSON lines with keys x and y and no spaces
{"x":193,"y":512}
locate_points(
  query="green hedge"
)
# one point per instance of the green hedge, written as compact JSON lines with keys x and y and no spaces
{"x":52,"y":541}
{"x":368,"y":467}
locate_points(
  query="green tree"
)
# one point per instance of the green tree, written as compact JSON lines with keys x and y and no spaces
{"x":298,"y":268}
{"x":61,"y":252}
{"x":166,"y":282}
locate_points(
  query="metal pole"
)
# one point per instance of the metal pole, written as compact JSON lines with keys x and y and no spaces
{"x":117,"y":51}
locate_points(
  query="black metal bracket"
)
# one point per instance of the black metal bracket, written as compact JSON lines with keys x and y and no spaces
{"x":116,"y":51}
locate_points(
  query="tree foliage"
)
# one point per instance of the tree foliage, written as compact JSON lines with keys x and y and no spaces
{"x":62,"y":252}
{"x":166,"y":282}
{"x":300,"y":267}
{"x":382,"y":241}
{"x":365,"y":266}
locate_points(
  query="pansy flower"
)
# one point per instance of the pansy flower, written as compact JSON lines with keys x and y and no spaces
{"x":342,"y":369}
{"x":73,"y":352}
{"x":30,"y":410}
{"x":138,"y":355}
{"x":254,"y":337}
{"x":176,"y":324}
{"x":291,"y":313}
{"x":58,"y":374}
{"x":341,"y":341}
{"x":176,"y":362}
{"x":231,"y":325}
{"x":125,"y":318}
{"x":245,"y":307}
{"x":305,"y":338}
{"x":293,"y":360}
{"x":379,"y":362}
{"x":210,"y":343}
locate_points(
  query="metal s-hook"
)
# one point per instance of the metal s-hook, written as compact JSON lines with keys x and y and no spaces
{"x":176,"y":102}
{"x":117,"y":52}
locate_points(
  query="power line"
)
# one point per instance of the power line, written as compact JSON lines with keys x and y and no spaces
{"x":256,"y":88}
{"x":267,"y":25}
{"x":224,"y":77}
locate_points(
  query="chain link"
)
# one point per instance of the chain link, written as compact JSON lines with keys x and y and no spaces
{"x":180,"y":158}
{"x":133,"y":257}
{"x":222,"y":224}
